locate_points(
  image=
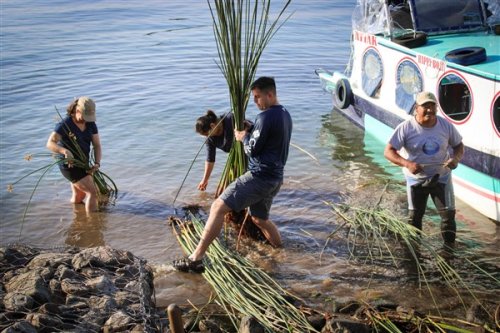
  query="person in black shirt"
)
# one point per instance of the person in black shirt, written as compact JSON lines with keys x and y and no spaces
{"x":72,"y":140}
{"x":266,"y":144}
{"x":220,"y":134}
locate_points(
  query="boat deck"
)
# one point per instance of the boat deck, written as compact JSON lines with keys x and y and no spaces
{"x":438,"y":46}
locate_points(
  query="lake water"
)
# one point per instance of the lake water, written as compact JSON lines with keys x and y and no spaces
{"x":151,"y":68}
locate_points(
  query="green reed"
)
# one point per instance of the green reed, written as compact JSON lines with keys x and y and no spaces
{"x":242,"y":30}
{"x":378,"y":229}
{"x":242,"y":289}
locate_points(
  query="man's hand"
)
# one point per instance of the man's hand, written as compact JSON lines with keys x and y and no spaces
{"x":413,"y":167}
{"x":240,"y":135}
{"x":452,"y":163}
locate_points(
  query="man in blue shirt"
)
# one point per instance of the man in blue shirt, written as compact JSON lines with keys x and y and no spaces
{"x":422,"y":145}
{"x":266,"y":144}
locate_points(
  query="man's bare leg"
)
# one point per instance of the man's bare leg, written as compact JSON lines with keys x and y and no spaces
{"x":212,"y":228}
{"x":269,"y":230}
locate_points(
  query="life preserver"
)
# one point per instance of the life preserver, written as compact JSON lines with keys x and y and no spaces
{"x":466,"y":55}
{"x":411,"y":40}
{"x":344,"y":93}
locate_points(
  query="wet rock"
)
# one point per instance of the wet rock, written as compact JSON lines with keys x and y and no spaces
{"x":18,"y":302}
{"x":65,"y":272}
{"x":102,"y":256}
{"x":345,"y":324}
{"x":30,"y":284}
{"x":317,"y":321}
{"x":346,"y":307}
{"x":101,"y":284}
{"x":75,"y":291}
{"x":477,"y":314}
{"x":250,"y":325}
{"x":209,"y":326}
{"x":50,"y":308}
{"x":44,"y":323}
{"x":20,"y":327}
{"x":119,"y":321}
{"x":17,"y":256}
{"x":74,"y":287}
{"x":50,"y":260}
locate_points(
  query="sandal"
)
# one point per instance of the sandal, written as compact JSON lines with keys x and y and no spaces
{"x":188,"y":265}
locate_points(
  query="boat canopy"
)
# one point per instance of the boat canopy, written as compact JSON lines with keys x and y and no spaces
{"x":395,"y":17}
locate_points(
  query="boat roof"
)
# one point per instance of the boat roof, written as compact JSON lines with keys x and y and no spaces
{"x":448,"y":24}
{"x":393,"y":17}
{"x":437,"y":47}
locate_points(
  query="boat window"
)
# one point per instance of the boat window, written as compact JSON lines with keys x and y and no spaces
{"x":461,"y":15}
{"x":408,"y":84}
{"x":496,"y":114}
{"x":455,"y":97}
{"x":372,"y":72}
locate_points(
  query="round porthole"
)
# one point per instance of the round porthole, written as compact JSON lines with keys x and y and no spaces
{"x":455,"y":97}
{"x":495,"y":114}
{"x":372,"y":72}
{"x":408,"y":84}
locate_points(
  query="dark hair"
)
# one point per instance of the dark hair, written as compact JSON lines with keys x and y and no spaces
{"x":71,"y":109}
{"x":264,"y":83}
{"x":203,"y":123}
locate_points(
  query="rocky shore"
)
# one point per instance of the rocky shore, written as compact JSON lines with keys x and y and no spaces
{"x":102,"y":289}
{"x":75,"y":290}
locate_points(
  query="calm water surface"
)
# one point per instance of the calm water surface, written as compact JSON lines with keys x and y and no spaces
{"x":151,"y":68}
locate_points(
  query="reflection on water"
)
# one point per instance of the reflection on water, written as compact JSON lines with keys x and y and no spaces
{"x":86,"y":230}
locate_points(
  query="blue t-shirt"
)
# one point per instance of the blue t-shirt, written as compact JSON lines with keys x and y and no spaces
{"x":224,"y":141}
{"x":268,"y":143}
{"x":67,"y":128}
{"x":428,"y":146}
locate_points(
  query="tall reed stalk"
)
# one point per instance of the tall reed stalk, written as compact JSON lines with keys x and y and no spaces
{"x":242,"y":30}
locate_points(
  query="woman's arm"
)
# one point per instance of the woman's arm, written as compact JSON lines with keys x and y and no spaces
{"x":96,"y":144}
{"x":53,"y":146}
{"x":209,"y":166}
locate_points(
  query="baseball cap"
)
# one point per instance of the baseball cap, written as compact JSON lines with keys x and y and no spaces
{"x":87,"y":106}
{"x":425,"y":97}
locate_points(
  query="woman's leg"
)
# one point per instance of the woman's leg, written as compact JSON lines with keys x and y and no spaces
{"x":86,"y":185}
{"x":78,"y":196}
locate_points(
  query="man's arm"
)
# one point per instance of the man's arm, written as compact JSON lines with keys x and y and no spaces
{"x":458,"y":153}
{"x":391,"y":154}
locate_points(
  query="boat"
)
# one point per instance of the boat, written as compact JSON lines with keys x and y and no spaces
{"x":449,"y":47}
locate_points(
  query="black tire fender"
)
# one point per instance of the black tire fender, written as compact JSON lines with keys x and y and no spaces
{"x":411,"y":40}
{"x":344,"y":93}
{"x":466,"y":55}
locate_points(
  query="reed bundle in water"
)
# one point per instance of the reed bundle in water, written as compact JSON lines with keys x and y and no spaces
{"x":242,"y":289}
{"x":378,"y":229}
{"x":242,"y":30}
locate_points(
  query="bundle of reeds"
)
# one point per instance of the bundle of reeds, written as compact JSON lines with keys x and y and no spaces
{"x":242,"y":30}
{"x":242,"y":289}
{"x":378,"y":229}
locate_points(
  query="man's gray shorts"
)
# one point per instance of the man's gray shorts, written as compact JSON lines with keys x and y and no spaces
{"x":253,"y":192}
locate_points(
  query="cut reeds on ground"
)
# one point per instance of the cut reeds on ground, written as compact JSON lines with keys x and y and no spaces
{"x":241,"y":288}
{"x":375,"y":233}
